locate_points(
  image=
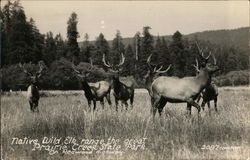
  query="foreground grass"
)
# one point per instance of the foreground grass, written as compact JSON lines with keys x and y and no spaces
{"x":173,"y":136}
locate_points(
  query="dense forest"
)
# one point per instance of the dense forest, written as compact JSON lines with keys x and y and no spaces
{"x":22,"y":42}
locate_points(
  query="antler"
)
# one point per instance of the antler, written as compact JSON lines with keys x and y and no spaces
{"x":201,"y":52}
{"x":104,"y":62}
{"x":24,"y":70}
{"x":196,"y":66}
{"x":91,"y":64}
{"x":149,"y":60}
{"x":74,"y":68}
{"x":164,"y":71}
{"x":122,"y":60}
{"x":41,"y":68}
{"x":214,"y":60}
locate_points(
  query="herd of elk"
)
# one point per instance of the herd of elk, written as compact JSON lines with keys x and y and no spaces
{"x":162,"y":89}
{"x":93,"y":91}
{"x":181,"y":90}
{"x":122,"y":92}
{"x":33,"y":89}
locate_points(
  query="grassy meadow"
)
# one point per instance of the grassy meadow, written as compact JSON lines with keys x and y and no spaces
{"x":222,"y":135}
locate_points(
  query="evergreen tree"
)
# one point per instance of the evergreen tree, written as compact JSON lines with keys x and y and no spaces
{"x":87,"y":49}
{"x":37,"y":42}
{"x":60,"y":47}
{"x":146,"y":49}
{"x":5,"y":27}
{"x":102,"y":47}
{"x":117,"y":48}
{"x":137,"y":51}
{"x":177,"y":55}
{"x":50,"y":48}
{"x":158,"y":51}
{"x":72,"y":34}
{"x":129,"y":69}
{"x":165,"y":57}
{"x":20,"y":45}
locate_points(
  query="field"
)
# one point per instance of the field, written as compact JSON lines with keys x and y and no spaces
{"x":222,"y":135}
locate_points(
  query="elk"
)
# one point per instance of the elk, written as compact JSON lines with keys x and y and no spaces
{"x":93,"y":91}
{"x":209,"y":93}
{"x":152,"y":73}
{"x":33,"y":89}
{"x":122,"y":92}
{"x":181,"y":90}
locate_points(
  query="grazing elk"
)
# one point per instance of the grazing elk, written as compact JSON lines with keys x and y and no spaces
{"x":181,"y":90}
{"x":33,"y":89}
{"x":209,"y":93}
{"x":122,"y":92}
{"x":93,"y":91}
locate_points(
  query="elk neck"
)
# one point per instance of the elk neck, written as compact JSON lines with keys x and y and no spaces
{"x":86,"y":88}
{"x":148,"y":82}
{"x":203,"y":78}
{"x":117,"y":84}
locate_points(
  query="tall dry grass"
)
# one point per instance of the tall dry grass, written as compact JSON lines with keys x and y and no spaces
{"x":173,"y":136}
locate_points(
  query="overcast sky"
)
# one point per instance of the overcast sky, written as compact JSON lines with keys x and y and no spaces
{"x":164,"y":17}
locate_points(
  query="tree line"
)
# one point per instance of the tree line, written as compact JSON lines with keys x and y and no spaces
{"x":23,"y":43}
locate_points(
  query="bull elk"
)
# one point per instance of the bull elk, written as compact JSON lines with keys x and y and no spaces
{"x":33,"y":89}
{"x":122,"y":92}
{"x":152,"y":73}
{"x":209,"y":93}
{"x":181,"y":90}
{"x":93,"y":91}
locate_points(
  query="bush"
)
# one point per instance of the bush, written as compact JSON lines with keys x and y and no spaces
{"x":234,"y":78}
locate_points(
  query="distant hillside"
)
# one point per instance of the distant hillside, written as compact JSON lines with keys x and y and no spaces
{"x":233,"y":37}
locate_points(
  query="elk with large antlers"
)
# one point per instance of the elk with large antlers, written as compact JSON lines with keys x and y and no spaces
{"x":93,"y":91}
{"x":181,"y":90}
{"x":209,"y":93}
{"x":33,"y":89}
{"x":122,"y":92}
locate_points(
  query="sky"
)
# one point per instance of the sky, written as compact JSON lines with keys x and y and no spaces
{"x":164,"y":17}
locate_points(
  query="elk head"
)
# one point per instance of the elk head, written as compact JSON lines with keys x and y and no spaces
{"x":153,"y":71}
{"x":203,"y":58}
{"x":115,"y":69}
{"x":34,"y":77}
{"x":83,"y":74}
{"x":209,"y":67}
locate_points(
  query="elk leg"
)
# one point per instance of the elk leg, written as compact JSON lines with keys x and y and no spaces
{"x":161,"y":106}
{"x":126,"y":104}
{"x":36,"y":105}
{"x":152,"y":104}
{"x":203,"y":105}
{"x":89,"y":104}
{"x":199,"y":97}
{"x":193,"y":103}
{"x":102,"y":103}
{"x":155,"y":105}
{"x":189,"y":106}
{"x":132,"y":99}
{"x":108,"y":99}
{"x":94,"y":102}
{"x":116,"y":104}
{"x":31,"y":106}
{"x":208,"y":105}
{"x":215,"y":104}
